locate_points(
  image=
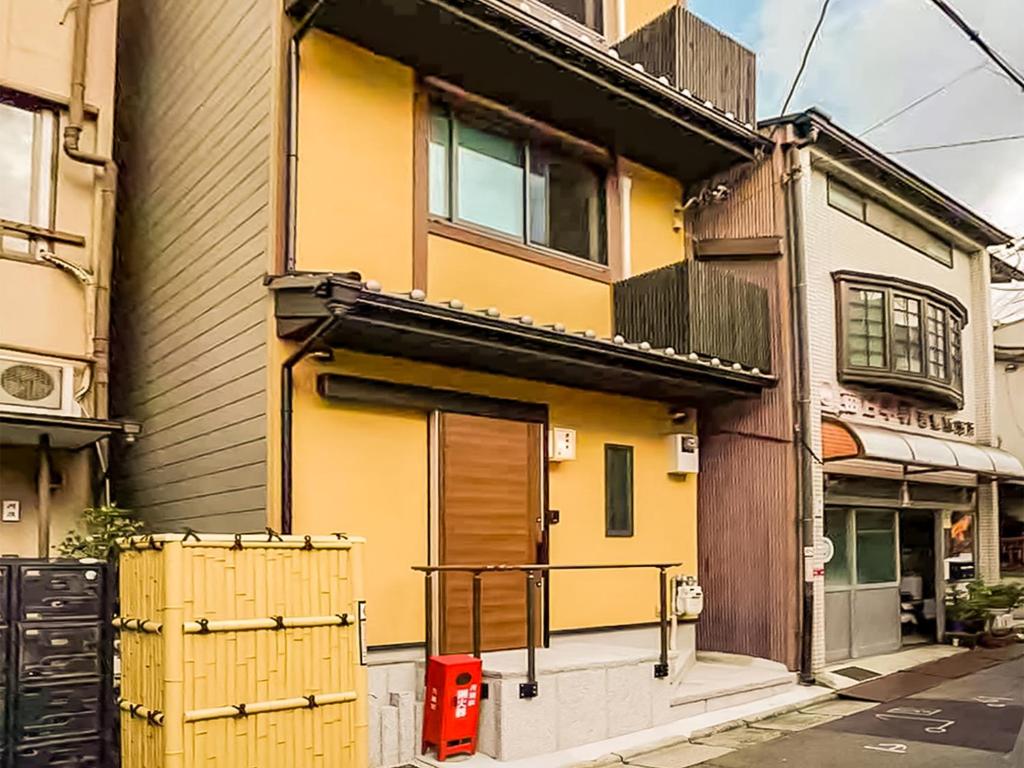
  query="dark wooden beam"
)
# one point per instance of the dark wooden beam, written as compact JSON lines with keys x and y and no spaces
{"x":738,"y":247}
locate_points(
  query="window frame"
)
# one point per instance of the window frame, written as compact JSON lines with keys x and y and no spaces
{"x":527,"y":131}
{"x":864,"y":218}
{"x":609,"y":531}
{"x":946,"y":390}
{"x":35,"y":231}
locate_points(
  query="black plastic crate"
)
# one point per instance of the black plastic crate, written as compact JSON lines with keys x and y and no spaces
{"x":66,"y":753}
{"x":5,"y":594}
{"x":60,"y":591}
{"x":61,"y":710}
{"x":48,"y":650}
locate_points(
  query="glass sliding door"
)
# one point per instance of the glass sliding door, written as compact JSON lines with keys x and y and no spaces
{"x":862,"y":596}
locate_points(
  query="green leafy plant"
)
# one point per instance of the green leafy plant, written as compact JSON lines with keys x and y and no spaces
{"x":101,"y":528}
{"x":1006,"y":595}
{"x":976,"y":603}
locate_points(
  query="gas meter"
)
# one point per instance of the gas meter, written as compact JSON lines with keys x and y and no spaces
{"x":689,"y":598}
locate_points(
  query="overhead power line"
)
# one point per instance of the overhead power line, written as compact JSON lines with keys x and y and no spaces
{"x":951,"y":145}
{"x":922,"y":99}
{"x":807,"y":53}
{"x":1001,"y":62}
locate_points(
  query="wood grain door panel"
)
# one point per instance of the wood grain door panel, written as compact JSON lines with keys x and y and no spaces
{"x":490,"y":508}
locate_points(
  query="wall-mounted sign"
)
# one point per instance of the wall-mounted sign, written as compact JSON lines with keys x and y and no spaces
{"x":890,"y":410}
{"x":11,"y":511}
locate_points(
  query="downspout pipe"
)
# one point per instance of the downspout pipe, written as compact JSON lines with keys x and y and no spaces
{"x":805,"y":469}
{"x":291,"y":167}
{"x":289,"y":221}
{"x":287,"y":399}
{"x":98,"y":291}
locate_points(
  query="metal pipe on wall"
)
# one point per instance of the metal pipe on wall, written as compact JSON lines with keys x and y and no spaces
{"x":805,"y":469}
{"x":43,"y":497}
{"x":102,"y":251}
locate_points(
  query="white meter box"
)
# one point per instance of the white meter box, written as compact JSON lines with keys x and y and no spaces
{"x":561,"y":444}
{"x":683,"y":454}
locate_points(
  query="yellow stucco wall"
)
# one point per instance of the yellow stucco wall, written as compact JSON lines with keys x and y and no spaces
{"x":364,"y":470}
{"x":483,"y":278}
{"x":639,"y":12}
{"x":654,"y":239}
{"x":355,"y":162}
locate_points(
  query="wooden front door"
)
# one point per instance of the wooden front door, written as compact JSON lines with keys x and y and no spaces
{"x":490,"y":502}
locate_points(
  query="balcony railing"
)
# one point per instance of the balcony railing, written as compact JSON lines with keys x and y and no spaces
{"x":694,"y":55}
{"x":696,"y":306}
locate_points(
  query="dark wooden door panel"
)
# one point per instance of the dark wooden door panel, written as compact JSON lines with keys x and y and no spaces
{"x":490,"y":505}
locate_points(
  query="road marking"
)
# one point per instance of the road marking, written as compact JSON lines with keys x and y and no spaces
{"x":995,"y":702}
{"x":942,"y":727}
{"x":895,"y":748}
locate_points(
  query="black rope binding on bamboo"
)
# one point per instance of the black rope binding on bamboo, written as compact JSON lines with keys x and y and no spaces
{"x":238,"y":541}
{"x":273,"y":535}
{"x":278,"y":622}
{"x":154,"y":544}
{"x":340,"y":536}
{"x":308,"y":542}
{"x":190,"y":534}
{"x":239,"y":710}
{"x":151,"y":717}
{"x":311,"y":701}
{"x":204,"y":626}
{"x":133,"y":710}
{"x":343,"y":619}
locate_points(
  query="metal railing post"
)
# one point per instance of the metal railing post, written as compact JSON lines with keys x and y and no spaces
{"x":661,"y":668}
{"x":528,"y":689}
{"x":477,"y":589}
{"x":428,"y":612}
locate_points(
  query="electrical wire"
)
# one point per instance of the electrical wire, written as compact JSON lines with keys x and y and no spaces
{"x":953,"y":145}
{"x":1001,"y":62}
{"x":922,"y":99}
{"x":807,"y":53}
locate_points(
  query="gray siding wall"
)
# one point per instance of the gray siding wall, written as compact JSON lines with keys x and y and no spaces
{"x":190,"y":312}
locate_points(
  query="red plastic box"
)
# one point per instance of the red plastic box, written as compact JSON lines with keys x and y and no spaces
{"x":451,"y":707}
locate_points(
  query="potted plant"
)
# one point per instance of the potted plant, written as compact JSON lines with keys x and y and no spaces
{"x":966,"y":608}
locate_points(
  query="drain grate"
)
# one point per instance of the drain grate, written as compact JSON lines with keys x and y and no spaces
{"x":856,"y":673}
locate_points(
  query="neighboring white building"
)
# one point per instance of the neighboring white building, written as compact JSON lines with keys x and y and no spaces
{"x":900,"y":376}
{"x":1009,"y":410}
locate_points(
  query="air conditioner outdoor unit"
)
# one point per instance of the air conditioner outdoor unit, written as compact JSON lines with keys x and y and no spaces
{"x":30,"y":384}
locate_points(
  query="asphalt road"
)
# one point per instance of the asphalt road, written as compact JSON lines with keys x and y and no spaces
{"x":972,"y":722}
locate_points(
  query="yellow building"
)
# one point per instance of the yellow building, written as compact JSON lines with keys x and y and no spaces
{"x":57,"y":186}
{"x":488,"y":341}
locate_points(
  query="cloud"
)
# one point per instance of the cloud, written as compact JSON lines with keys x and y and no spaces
{"x":874,"y":57}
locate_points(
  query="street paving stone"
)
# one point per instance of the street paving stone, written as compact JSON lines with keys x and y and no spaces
{"x":739,"y":738}
{"x":679,"y":756}
{"x":794,"y":721}
{"x":841,"y":707}
{"x":820,"y":748}
{"x":939,"y":721}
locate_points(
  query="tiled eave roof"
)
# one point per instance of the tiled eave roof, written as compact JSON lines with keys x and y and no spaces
{"x":448,"y":333}
{"x":499,"y":50}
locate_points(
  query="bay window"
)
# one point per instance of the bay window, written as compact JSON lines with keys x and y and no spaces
{"x":900,"y":335}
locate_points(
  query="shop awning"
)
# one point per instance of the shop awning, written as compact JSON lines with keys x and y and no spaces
{"x":847,"y":440}
{"x":65,"y":432}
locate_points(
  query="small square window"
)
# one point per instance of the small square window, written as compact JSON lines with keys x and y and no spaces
{"x":618,"y":490}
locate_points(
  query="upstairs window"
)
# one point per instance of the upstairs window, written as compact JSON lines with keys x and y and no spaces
{"x":899,"y":335}
{"x":888,"y":221}
{"x":28,"y":141}
{"x":866,"y":337}
{"x":590,"y":13}
{"x":491,"y":179}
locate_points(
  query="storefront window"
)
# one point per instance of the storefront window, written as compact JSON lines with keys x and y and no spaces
{"x":1011,"y":530}
{"x":876,"y":547}
{"x":837,"y":570}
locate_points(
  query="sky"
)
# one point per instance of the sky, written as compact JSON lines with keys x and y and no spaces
{"x":872,"y":58}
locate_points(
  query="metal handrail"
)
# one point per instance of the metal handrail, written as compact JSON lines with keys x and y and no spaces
{"x":528,"y":689}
